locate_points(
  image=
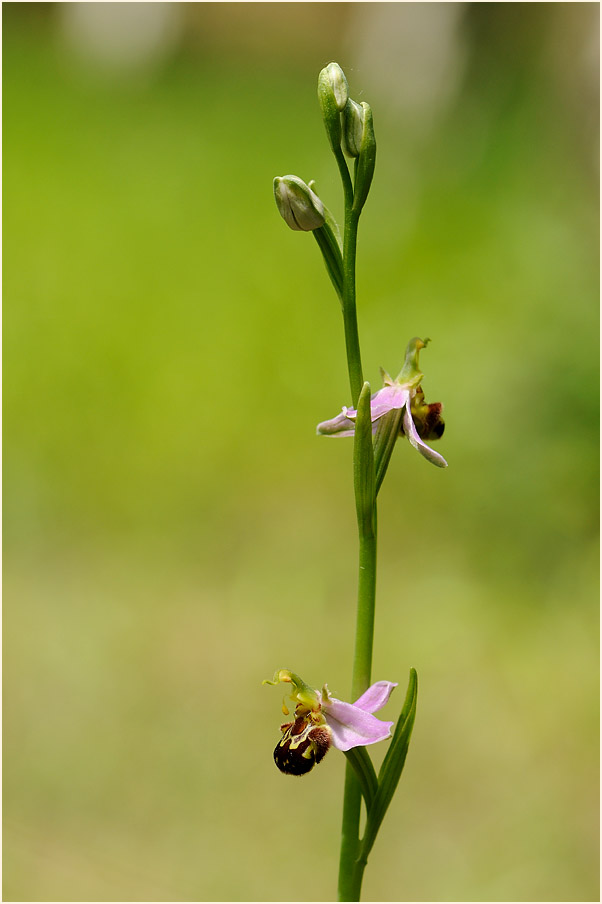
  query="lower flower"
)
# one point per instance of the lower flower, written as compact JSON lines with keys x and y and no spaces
{"x":322,"y":721}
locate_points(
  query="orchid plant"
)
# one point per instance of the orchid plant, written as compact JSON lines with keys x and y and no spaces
{"x":375,"y":421}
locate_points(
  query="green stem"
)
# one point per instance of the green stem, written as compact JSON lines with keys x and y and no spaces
{"x":364,"y":630}
{"x":350,"y":873}
{"x":352,"y":802}
{"x":350,"y":870}
{"x":352,"y":342}
{"x":345,"y":177}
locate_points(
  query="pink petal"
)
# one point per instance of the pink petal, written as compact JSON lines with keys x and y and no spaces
{"x":340,"y":425}
{"x":383,"y":401}
{"x":386,"y":399}
{"x":352,"y":726}
{"x":376,"y":696}
{"x":412,"y":434}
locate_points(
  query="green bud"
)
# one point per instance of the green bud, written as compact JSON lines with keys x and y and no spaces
{"x":353,"y":128}
{"x":366,"y":161}
{"x":335,"y":77}
{"x":299,"y":206}
{"x":332,"y":95}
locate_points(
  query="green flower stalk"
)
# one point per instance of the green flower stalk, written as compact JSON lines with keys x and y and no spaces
{"x":375,"y":421}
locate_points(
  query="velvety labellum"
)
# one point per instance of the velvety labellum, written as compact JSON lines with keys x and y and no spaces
{"x":302,"y":745}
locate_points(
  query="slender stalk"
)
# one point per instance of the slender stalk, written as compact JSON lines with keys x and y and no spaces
{"x":350,"y":871}
{"x":364,"y":630}
{"x":352,"y":801}
{"x":352,"y":342}
{"x":345,"y":177}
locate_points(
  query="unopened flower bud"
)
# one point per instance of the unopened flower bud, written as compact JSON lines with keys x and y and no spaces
{"x":332,"y":95}
{"x":353,"y":128}
{"x":299,"y":206}
{"x":366,"y":160}
{"x":332,"y":78}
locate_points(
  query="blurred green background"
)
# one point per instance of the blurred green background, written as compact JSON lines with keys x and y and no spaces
{"x":173,"y":529}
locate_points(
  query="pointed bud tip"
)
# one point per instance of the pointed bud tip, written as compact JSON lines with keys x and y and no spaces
{"x":332,"y":79}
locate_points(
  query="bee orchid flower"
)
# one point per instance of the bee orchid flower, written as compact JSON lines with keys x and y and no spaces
{"x":417,"y":420}
{"x":322,"y":721}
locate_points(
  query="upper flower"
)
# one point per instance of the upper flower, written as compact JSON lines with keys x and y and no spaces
{"x":321,"y":721}
{"x":419,"y":420}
